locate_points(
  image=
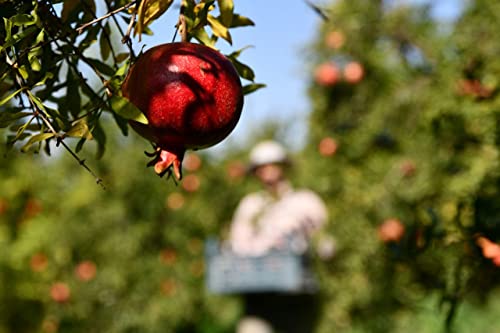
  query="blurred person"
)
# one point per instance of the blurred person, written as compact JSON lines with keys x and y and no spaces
{"x":278,"y":217}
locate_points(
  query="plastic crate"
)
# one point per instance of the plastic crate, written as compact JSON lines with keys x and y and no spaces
{"x":278,"y":271}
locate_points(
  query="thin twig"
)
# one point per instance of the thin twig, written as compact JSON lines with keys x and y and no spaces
{"x":81,"y":28}
{"x":317,"y":9}
{"x":126,"y":38}
{"x":182,"y":25}
{"x":127,"y":41}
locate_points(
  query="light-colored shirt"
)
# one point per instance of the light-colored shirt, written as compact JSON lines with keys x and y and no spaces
{"x":263,"y":222}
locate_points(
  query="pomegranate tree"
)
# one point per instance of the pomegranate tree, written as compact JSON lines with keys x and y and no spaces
{"x":190,"y":94}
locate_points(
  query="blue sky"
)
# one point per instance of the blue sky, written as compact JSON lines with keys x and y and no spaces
{"x":283,"y":29}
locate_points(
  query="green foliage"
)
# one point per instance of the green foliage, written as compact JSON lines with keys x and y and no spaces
{"x":417,"y":141}
{"x":48,"y":66}
{"x":144,"y":236}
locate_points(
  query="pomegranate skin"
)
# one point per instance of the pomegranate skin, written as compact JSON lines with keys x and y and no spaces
{"x":190,"y":94}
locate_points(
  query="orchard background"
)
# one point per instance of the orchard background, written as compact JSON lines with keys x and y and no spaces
{"x":402,"y":144}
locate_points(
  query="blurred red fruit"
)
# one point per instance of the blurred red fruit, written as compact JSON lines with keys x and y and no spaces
{"x":496,"y":261}
{"x":175,"y":201}
{"x":192,"y":162}
{"x":327,"y":74}
{"x":86,"y":270}
{"x":392,"y":230}
{"x":60,"y":292}
{"x":168,"y":287}
{"x":473,"y":88}
{"x":335,"y":39}
{"x":50,"y":326}
{"x":327,"y":147}
{"x":236,"y":170}
{"x":489,"y":249}
{"x":3,"y":205}
{"x":168,"y":256}
{"x":353,"y":72}
{"x":408,"y":168}
{"x":191,"y":183}
{"x":38,"y":262}
{"x":33,"y":208}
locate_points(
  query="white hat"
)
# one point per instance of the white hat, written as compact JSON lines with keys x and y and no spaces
{"x":252,"y":324}
{"x":268,"y":152}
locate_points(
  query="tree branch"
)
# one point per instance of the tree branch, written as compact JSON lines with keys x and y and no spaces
{"x":86,"y":25}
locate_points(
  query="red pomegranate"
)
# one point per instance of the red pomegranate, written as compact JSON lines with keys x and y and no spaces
{"x":60,"y":292}
{"x":86,"y":270}
{"x":391,"y":230}
{"x":190,"y":94}
{"x":327,"y":74}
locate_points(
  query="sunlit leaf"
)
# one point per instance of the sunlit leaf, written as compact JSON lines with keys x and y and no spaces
{"x":22,"y":20}
{"x":23,"y":71}
{"x":36,"y":138}
{"x":202,"y":36}
{"x":241,"y":21}
{"x":219,"y":29}
{"x":33,"y":59}
{"x":150,"y":10}
{"x":11,"y":96}
{"x":121,"y":106}
{"x":226,"y":8}
{"x":80,"y":130}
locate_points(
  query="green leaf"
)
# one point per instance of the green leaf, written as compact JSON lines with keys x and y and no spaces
{"x":226,"y":8}
{"x":10,"y":41}
{"x":100,"y":138}
{"x":148,"y":11}
{"x":122,"y":70}
{"x":11,"y":96}
{"x":80,"y":130}
{"x":20,"y":132}
{"x":100,"y":66}
{"x":23,"y":20}
{"x":40,"y":37}
{"x":121,"y":106}
{"x":241,"y":21}
{"x":237,"y":53}
{"x":7,"y":118}
{"x":23,"y":71}
{"x":122,"y":56}
{"x":202,"y":36}
{"x":33,"y":59}
{"x":243,"y":70}
{"x":38,"y":102}
{"x":72,"y":100}
{"x":219,"y":29}
{"x":36,"y":138}
{"x":104,"y":44}
{"x":200,"y":13}
{"x":8,"y":32}
{"x":250,"y":88}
